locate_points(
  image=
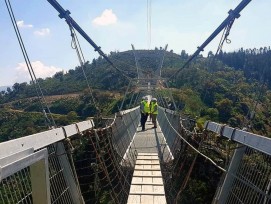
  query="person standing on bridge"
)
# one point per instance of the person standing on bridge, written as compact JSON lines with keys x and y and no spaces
{"x":154,"y":111}
{"x":144,"y":109}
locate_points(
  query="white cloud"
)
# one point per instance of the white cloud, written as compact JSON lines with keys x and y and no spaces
{"x":42,"y":32}
{"x":22,"y":25}
{"x":107,"y":18}
{"x":41,"y":71}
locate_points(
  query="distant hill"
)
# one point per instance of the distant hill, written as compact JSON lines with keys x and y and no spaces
{"x":100,"y":74}
{"x":217,"y":89}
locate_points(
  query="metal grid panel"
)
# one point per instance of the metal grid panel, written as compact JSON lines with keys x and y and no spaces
{"x":60,"y":191}
{"x":252,"y":182}
{"x":16,"y":183}
{"x":16,"y":188}
{"x":124,"y":128}
{"x":172,"y":139}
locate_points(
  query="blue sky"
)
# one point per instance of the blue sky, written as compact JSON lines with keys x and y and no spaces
{"x":115,"y":24}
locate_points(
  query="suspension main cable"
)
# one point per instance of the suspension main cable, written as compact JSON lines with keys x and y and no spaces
{"x":33,"y":77}
{"x":158,"y":72}
{"x":233,"y":14}
{"x":66,"y":14}
{"x":149,"y":23}
{"x":150,"y":13}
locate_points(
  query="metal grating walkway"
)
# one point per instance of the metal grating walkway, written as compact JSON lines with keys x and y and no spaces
{"x":147,"y":184}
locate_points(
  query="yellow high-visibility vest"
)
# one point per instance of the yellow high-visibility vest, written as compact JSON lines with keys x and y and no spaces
{"x":146,"y":107}
{"x":154,"y":108}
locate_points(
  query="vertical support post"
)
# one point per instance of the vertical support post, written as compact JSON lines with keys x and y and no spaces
{"x":126,"y":92}
{"x":136,"y":99}
{"x":68,"y":174}
{"x":139,"y":75}
{"x":171,"y":97}
{"x":158,"y":72}
{"x":229,"y":178}
{"x":39,"y":172}
{"x":131,"y":100}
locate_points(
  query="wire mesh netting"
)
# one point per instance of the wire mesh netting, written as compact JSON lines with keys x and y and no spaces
{"x":103,"y":173}
{"x":189,"y":172}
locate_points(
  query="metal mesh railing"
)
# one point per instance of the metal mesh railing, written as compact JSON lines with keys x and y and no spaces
{"x":59,"y":187}
{"x":252,"y":181}
{"x":124,"y":128}
{"x":169,"y":121}
{"x":248,"y":176}
{"x":36,"y":168}
{"x":16,"y":188}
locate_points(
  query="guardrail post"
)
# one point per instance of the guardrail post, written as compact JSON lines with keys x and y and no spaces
{"x":39,"y":172}
{"x":68,"y":174}
{"x":229,"y":178}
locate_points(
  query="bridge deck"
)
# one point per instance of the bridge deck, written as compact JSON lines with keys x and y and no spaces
{"x":152,"y":140}
{"x":147,"y":183}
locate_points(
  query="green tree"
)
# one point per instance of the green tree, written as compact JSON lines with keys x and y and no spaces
{"x":224,"y":107}
{"x":72,"y":116}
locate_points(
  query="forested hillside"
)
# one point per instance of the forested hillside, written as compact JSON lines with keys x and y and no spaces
{"x":228,"y":88}
{"x":100,"y":74}
{"x":255,"y":63}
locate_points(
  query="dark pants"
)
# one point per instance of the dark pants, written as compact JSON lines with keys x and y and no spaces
{"x":143,"y":120}
{"x":154,"y":116}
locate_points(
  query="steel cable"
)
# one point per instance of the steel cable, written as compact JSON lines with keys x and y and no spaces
{"x":36,"y":84}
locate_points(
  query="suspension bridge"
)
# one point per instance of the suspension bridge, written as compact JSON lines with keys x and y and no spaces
{"x":119,"y":163}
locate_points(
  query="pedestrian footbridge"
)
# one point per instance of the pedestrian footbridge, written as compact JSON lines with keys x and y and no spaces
{"x":119,"y":163}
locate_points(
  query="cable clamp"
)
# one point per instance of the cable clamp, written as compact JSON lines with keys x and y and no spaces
{"x":233,"y":14}
{"x":200,"y":49}
{"x":65,"y":14}
{"x":221,"y":131}
{"x":232,"y":134}
{"x":97,"y":49}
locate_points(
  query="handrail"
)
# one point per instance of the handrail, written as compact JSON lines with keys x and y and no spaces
{"x":249,"y":139}
{"x":43,"y":139}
